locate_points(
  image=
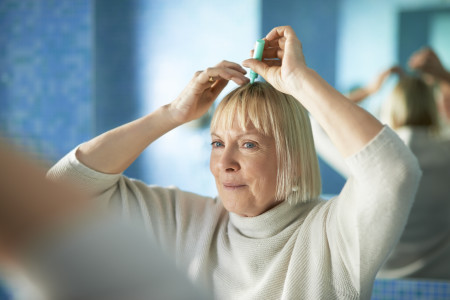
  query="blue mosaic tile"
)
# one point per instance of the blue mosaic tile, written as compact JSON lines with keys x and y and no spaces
{"x":46,"y":74}
{"x":385,"y":289}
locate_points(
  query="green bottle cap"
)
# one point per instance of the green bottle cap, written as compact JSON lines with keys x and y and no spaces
{"x":259,"y":48}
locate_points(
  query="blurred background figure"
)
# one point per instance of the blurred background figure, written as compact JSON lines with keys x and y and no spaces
{"x":55,"y":244}
{"x":424,"y":248}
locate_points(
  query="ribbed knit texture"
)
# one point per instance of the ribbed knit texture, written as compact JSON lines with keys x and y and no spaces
{"x":319,"y":250}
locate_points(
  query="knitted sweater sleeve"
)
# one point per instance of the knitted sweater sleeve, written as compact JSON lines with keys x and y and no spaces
{"x":374,"y":205}
{"x":178,"y":220}
{"x":71,"y":169}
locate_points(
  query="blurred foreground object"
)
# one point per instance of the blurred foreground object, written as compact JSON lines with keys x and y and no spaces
{"x":71,"y":249}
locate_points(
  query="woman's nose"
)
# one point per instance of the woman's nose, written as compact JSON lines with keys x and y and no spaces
{"x":229,"y":160}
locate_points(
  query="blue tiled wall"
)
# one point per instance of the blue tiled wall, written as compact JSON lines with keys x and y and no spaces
{"x":385,"y":289}
{"x":45,"y":74}
{"x":116,"y":68}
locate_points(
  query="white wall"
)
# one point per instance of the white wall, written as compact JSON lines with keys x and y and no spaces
{"x":177,"y":39}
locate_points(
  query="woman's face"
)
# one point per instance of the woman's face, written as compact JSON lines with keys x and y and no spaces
{"x":244,"y":164}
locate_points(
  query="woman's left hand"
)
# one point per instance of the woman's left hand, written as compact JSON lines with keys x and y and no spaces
{"x":283,"y":62}
{"x":203,"y":89}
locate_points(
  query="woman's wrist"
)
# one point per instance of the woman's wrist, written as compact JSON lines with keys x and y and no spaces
{"x":169,"y":113}
{"x":303,"y":84}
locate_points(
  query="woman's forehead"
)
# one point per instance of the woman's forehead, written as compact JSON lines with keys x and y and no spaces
{"x":235,"y":128}
{"x":233,"y":121}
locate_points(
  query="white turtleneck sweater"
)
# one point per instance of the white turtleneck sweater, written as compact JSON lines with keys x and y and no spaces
{"x":318,"y":250}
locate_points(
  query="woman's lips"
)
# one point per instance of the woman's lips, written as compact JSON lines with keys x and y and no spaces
{"x":233,"y":186}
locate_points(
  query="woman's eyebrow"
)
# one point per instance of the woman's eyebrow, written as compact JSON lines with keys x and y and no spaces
{"x":242,"y":135}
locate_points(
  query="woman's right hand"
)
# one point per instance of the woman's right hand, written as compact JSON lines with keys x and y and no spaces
{"x":198,"y":96}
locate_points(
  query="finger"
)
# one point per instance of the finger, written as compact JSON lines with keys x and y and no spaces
{"x":271,"y":53}
{"x":232,"y":65}
{"x":279,"y":32}
{"x":272,"y":43}
{"x":224,"y":73}
{"x":278,"y":54}
{"x":273,"y":62}
{"x":218,"y":87}
{"x":277,"y":43}
{"x":259,"y":67}
{"x":268,"y":53}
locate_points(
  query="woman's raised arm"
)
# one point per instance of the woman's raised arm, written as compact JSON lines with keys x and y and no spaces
{"x":349,"y":127}
{"x":113,"y":151}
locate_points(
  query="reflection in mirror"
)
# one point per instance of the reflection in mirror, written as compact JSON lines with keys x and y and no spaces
{"x":424,"y":248}
{"x":374,"y":38}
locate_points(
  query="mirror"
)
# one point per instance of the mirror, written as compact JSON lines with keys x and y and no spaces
{"x":73,"y":69}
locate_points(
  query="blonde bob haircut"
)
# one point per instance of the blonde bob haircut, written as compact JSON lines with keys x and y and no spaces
{"x":282,"y":117}
{"x":411,"y":103}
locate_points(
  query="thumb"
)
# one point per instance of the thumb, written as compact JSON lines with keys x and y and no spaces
{"x":256,"y":65}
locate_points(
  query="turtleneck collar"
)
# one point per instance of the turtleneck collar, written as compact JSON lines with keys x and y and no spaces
{"x":272,"y":221}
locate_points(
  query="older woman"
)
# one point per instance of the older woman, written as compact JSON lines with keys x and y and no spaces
{"x":267,"y":235}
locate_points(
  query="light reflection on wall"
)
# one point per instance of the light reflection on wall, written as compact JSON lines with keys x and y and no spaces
{"x":176,"y":40}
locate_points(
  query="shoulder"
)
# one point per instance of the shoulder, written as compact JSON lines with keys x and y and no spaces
{"x":170,"y":193}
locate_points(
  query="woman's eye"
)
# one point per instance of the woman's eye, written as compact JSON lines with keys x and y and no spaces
{"x":216,"y":144}
{"x":249,"y":145}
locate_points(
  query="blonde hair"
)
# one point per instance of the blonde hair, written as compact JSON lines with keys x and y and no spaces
{"x":411,"y":103}
{"x":282,"y":117}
